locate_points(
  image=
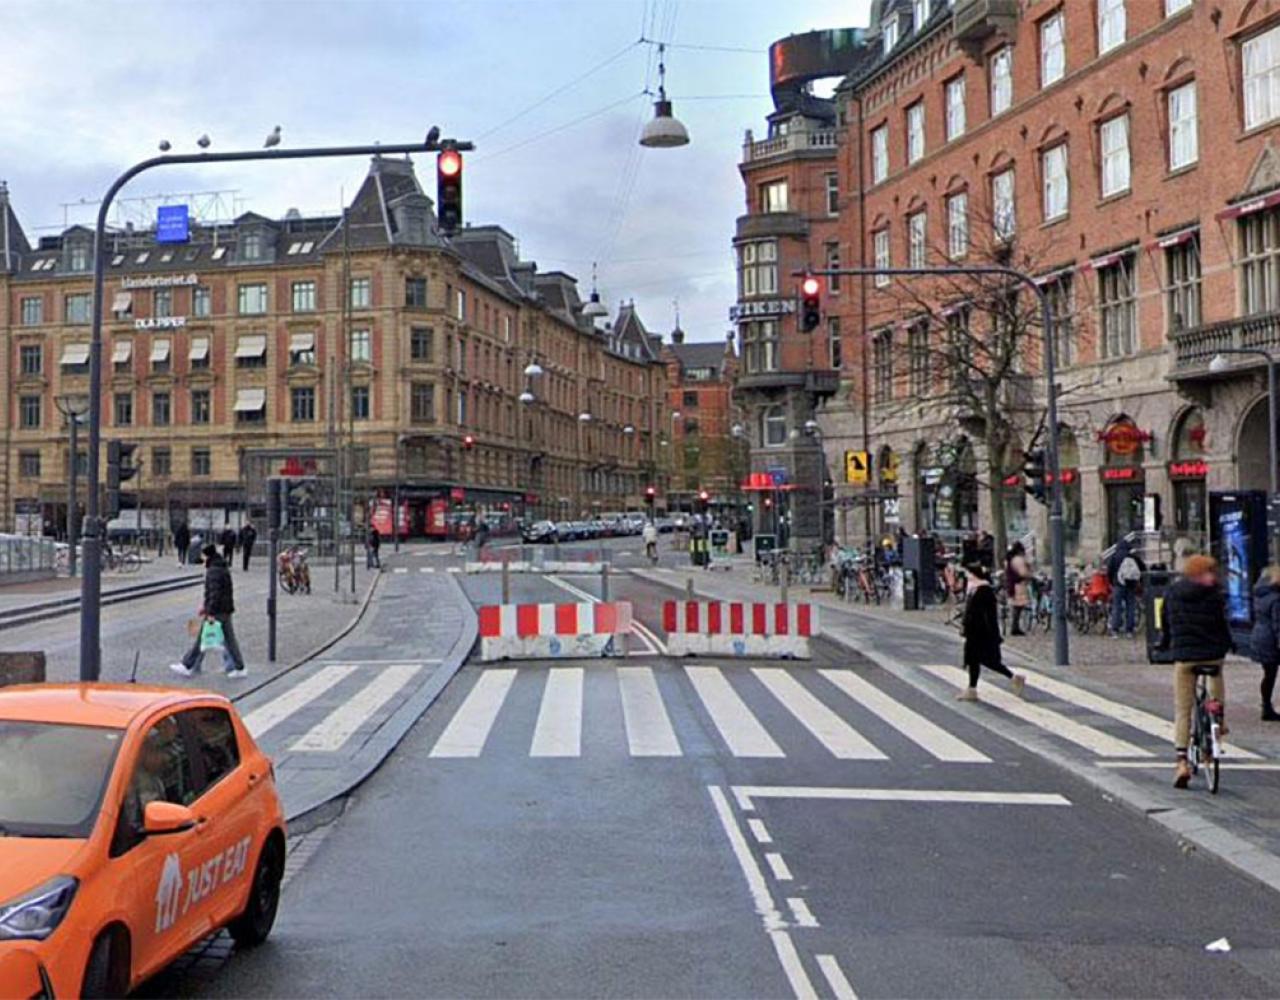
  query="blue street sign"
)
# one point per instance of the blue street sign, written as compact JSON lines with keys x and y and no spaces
{"x":779,"y":475}
{"x":173,"y":224}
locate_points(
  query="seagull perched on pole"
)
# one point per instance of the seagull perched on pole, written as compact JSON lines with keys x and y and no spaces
{"x":433,"y":135}
{"x":204,"y":141}
{"x":273,"y":139}
{"x":165,"y":145}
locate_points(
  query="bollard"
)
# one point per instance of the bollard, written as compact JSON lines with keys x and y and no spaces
{"x":688,"y":588}
{"x":506,"y":581}
{"x":784,"y":580}
{"x":604,"y":582}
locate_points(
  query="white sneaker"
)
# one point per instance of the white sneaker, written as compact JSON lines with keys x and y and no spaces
{"x":235,"y":673}
{"x":183,"y":670}
{"x":1018,"y":683}
{"x":968,"y":694}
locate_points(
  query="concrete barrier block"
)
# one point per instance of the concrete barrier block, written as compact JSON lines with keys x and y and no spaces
{"x":21,"y":668}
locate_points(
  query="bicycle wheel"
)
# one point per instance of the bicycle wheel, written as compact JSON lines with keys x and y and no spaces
{"x":1211,"y":774}
{"x":132,"y":562}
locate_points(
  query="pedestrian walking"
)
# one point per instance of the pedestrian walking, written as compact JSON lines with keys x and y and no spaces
{"x":248,"y":535}
{"x":1124,"y":572}
{"x":982,"y":635}
{"x":1264,"y":641}
{"x":1017,"y":576}
{"x":1197,"y":634}
{"x":219,"y":605}
{"x":182,"y":541}
{"x":372,"y":543}
{"x":228,"y":540}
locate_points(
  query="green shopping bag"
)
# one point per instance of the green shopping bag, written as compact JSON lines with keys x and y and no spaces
{"x":211,"y":636}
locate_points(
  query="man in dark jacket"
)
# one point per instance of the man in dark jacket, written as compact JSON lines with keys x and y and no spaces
{"x":372,"y":543}
{"x":248,"y":535}
{"x":228,"y":540}
{"x":219,"y":605}
{"x":182,"y":541}
{"x":1124,"y":573}
{"x":982,"y":635}
{"x":1264,"y":641}
{"x":1196,"y":633}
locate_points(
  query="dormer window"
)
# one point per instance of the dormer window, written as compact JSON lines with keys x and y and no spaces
{"x":921,"y":13}
{"x":219,"y":253}
{"x":117,"y":260}
{"x":143,"y":257}
{"x":78,"y":257}
{"x":889,"y":33}
{"x":251,"y":246}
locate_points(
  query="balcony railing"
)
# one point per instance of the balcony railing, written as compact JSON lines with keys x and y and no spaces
{"x":792,"y":142}
{"x":1194,"y":349}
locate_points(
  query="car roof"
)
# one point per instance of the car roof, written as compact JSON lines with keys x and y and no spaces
{"x":114,"y":706}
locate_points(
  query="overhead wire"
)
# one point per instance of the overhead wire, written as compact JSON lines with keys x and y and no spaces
{"x":545,"y":133}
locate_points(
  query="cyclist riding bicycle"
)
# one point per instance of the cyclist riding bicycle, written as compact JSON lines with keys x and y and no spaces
{"x":1196,"y":633}
{"x":650,"y":536}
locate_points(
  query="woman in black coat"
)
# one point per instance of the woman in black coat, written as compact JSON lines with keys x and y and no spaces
{"x":1264,"y":641}
{"x":982,"y":635}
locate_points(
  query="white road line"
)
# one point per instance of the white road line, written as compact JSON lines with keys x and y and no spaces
{"x":801,"y":984}
{"x":343,"y":722}
{"x":840,"y":988}
{"x":649,"y":732}
{"x":915,"y":727}
{"x":760,"y":831}
{"x":261,"y":719}
{"x":800,"y":910}
{"x":1053,"y":723}
{"x":739,"y":728}
{"x":400,"y":570}
{"x":426,"y":569}
{"x":1146,"y":722}
{"x":745,"y":794}
{"x":778,"y":866}
{"x":469,"y":728}
{"x":558,"y":732}
{"x":655,"y":645}
{"x":844,"y":742}
{"x":1229,"y":763}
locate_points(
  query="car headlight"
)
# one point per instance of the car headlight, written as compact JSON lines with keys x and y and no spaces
{"x":37,"y":914}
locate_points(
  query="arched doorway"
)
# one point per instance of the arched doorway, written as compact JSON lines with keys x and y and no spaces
{"x":1189,"y":472}
{"x":1072,"y":505}
{"x":1253,"y":449}
{"x":1123,"y":479}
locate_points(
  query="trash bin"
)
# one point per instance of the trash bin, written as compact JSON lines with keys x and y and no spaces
{"x":1154,"y":584}
{"x":910,"y":590}
{"x":765,"y":544}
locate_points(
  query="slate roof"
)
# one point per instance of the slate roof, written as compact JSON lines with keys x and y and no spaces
{"x":13,"y":241}
{"x":708,"y":354}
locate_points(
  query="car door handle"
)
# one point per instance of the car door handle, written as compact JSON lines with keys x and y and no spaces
{"x":254,"y":779}
{"x":202,"y":823}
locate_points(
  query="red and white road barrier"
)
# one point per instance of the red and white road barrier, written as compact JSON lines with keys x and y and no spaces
{"x":737,"y":628}
{"x":548,"y":631}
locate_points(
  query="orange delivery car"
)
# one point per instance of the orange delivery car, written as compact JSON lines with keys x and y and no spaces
{"x":134,"y":822}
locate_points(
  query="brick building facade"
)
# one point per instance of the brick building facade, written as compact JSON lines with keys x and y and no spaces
{"x":281,"y":335}
{"x":706,"y":453}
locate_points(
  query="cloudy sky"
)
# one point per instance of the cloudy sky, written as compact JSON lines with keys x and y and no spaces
{"x":88,"y":87}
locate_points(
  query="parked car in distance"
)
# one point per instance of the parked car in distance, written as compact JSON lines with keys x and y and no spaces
{"x":666,"y":525}
{"x":539,"y":531}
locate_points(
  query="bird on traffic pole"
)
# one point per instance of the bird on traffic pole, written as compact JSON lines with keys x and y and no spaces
{"x":433,"y":135}
{"x":204,"y":141}
{"x":273,"y":139}
{"x":165,"y":145}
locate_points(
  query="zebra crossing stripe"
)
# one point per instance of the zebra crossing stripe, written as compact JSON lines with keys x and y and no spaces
{"x":649,"y":732}
{"x":345,"y":720}
{"x":915,"y":727}
{"x":1054,"y":723}
{"x":558,"y":732}
{"x":844,"y":742}
{"x":298,"y":697}
{"x":740,"y":729}
{"x":468,"y":730}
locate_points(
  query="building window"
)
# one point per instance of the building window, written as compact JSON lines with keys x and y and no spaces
{"x":78,"y":308}
{"x":202,"y":301}
{"x":160,"y":356}
{"x":78,"y":257}
{"x":882,"y":365}
{"x":690,"y":400}
{"x":917,"y":233}
{"x":1004,"y":212}
{"x":161,"y":409}
{"x":1182,"y":267}
{"x":251,"y":246}
{"x":879,"y":154}
{"x":955,"y":108}
{"x":1062,"y":307}
{"x":161,"y":463}
{"x":251,"y":351}
{"x":199,"y":353}
{"x":1001,"y":81}
{"x":773,"y":196}
{"x":422,"y":403}
{"x":958,"y":225}
{"x":361,"y":346}
{"x":32,"y":311}
{"x":253,"y":300}
{"x":835,"y":346}
{"x":833,"y":264}
{"x":889,"y":34}
{"x":359,"y":402}
{"x":1111,"y":25}
{"x":1053,"y":49}
{"x":1057,"y":194}
{"x":759,"y":270}
{"x":361,"y":294}
{"x":1184,"y":144}
{"x":302,"y":349}
{"x":29,"y":412}
{"x":1259,"y":262}
{"x":422,"y":345}
{"x":201,"y":410}
{"x":918,"y":357}
{"x":915,"y":131}
{"x":833,"y":194}
{"x":302,"y":404}
{"x":1117,"y":301}
{"x":1114,"y":140}
{"x":415,"y":293}
{"x":883,"y":258}
{"x":920,"y":13}
{"x":124,"y":409}
{"x":162,"y":303}
{"x":31,"y":359}
{"x":201,"y":462}
{"x":29,"y":464}
{"x":773,"y":427}
{"x":304,"y":296}
{"x":760,"y":346}
{"x":460,"y":305}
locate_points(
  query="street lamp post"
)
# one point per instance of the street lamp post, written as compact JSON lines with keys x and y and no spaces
{"x":1220,"y":364}
{"x":91,"y":582}
{"x":73,"y":407}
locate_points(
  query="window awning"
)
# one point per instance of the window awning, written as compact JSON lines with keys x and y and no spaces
{"x":1174,"y":239}
{"x":122,"y":352}
{"x":75,"y":354}
{"x":159,"y":351}
{"x":302,"y":342}
{"x":123,"y":302}
{"x":1250,"y":206}
{"x":253,"y":346}
{"x":250,"y":400}
{"x":199,"y":348}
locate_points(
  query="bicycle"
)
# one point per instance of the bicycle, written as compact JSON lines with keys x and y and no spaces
{"x":123,"y":560}
{"x":1205,"y":749}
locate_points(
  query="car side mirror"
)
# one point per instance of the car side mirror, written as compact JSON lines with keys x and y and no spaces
{"x":166,"y":817}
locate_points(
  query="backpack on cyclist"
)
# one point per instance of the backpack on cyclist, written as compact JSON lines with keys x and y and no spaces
{"x":1129,"y":572}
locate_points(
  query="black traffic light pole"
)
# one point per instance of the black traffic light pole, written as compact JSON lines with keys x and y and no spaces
{"x":91,"y":580}
{"x":1057,"y":531}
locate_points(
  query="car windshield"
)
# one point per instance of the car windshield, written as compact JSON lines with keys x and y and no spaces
{"x":52,"y":777}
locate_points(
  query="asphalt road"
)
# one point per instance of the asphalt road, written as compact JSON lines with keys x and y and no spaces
{"x":711,"y":829}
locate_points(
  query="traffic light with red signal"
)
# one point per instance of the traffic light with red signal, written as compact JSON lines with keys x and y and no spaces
{"x":468,"y":442}
{"x":449,"y":190}
{"x":810,"y":303}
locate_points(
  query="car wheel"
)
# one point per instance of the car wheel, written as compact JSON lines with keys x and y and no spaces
{"x":103,"y":974}
{"x":253,"y":926}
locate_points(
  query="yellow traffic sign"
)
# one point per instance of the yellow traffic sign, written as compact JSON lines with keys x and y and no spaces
{"x":857,"y":468}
